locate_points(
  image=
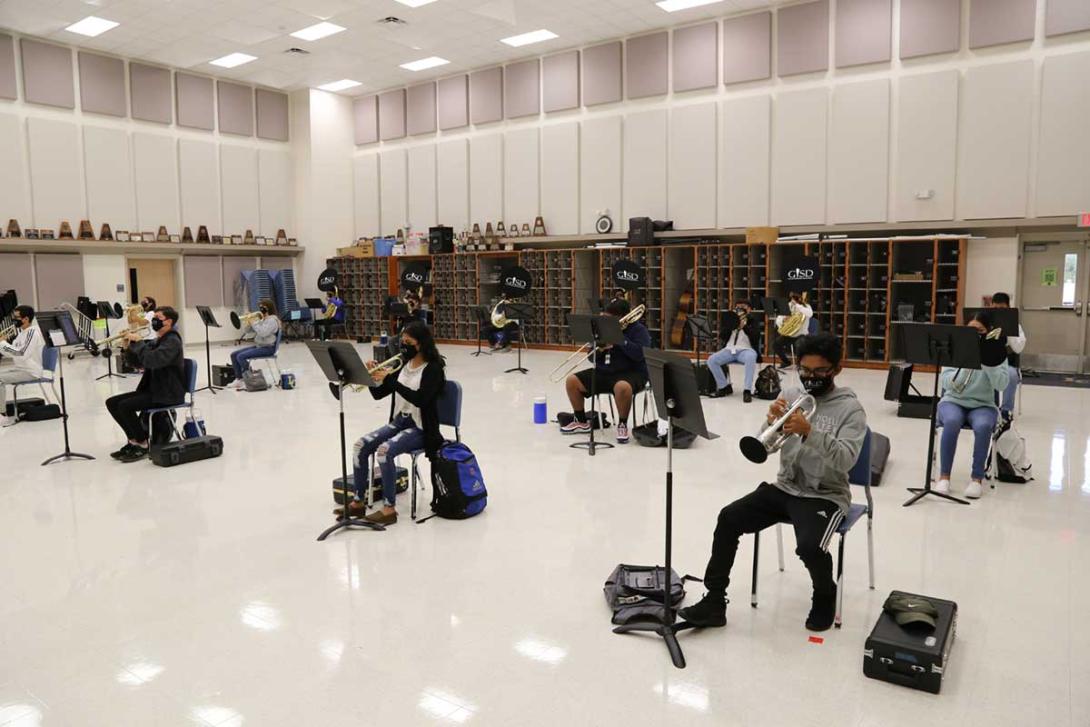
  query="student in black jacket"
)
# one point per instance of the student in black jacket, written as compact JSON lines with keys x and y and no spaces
{"x":619,"y":369}
{"x":163,"y":382}
{"x":414,"y":419}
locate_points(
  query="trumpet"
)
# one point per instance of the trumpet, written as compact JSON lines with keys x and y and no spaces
{"x":568,"y":365}
{"x":756,"y":449}
{"x":121,"y":335}
{"x":390,"y":366}
{"x":9,"y":332}
{"x":238,"y":321}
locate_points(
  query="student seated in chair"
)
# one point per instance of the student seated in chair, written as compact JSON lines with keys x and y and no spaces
{"x":266,"y":328}
{"x":743,"y":343}
{"x":969,"y":396}
{"x":25,"y":350}
{"x":620,"y":370}
{"x":1015,"y":346}
{"x":811,"y":490}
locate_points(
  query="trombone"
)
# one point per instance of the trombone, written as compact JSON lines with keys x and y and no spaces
{"x":568,"y":365}
{"x":238,"y":321}
{"x":756,"y":449}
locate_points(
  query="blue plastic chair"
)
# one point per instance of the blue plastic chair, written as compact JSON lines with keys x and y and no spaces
{"x":190,"y":366}
{"x":450,"y":414}
{"x":272,"y":358}
{"x":859,"y":474}
{"x":50,"y":357}
{"x":812,"y":328}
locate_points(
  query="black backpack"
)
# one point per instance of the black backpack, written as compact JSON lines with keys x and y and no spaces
{"x":768,"y":384}
{"x":634,"y":592}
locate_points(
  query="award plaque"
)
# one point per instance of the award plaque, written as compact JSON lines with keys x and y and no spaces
{"x":236,"y":239}
{"x":13,"y":228}
{"x":539,"y":227}
{"x":105,"y":233}
{"x":47,"y":234}
{"x":202,"y":234}
{"x":292,"y":242}
{"x":66,"y":230}
{"x":31,"y":233}
{"x":187,"y":234}
{"x":122,"y":236}
{"x":217,"y":239}
{"x":135,"y":237}
{"x":248,"y":238}
{"x":176,"y":239}
{"x":163,"y":236}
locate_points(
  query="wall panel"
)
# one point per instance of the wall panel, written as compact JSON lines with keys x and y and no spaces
{"x":696,"y":57}
{"x":863,"y":30}
{"x":275,"y":191}
{"x":110,"y":192}
{"x":798,"y":157}
{"x":486,"y":96}
{"x":930,"y":26}
{"x":485,"y":179}
{"x":1066,"y":16}
{"x":744,"y":171}
{"x":647,"y":61}
{"x":272,"y":114}
{"x":422,"y":209}
{"x":17,"y":273}
{"x":560,"y":81}
{"x":238,"y":175}
{"x":47,"y":74}
{"x":420,"y":105}
{"x":391,"y":115}
{"x":195,"y":104}
{"x":365,"y":119}
{"x":859,"y":153}
{"x":203,"y":280}
{"x":14,"y":191}
{"x":452,"y":160}
{"x":155,"y":173}
{"x":236,"y":108}
{"x":452,"y":102}
{"x":55,"y":172}
{"x":644,"y":167}
{"x":1063,"y":161}
{"x":560,"y":178}
{"x":600,"y":172}
{"x":8,"y":84}
{"x":366,"y":174}
{"x":59,"y":279}
{"x":102,"y":84}
{"x":926,"y":148}
{"x":992,"y":22}
{"x":522,"y":89}
{"x":521,"y":177}
{"x":692,"y":181}
{"x":152,"y":97}
{"x":393,"y":190}
{"x":802,"y":38}
{"x":602,"y":74}
{"x":747,"y":48}
{"x":198,"y":172}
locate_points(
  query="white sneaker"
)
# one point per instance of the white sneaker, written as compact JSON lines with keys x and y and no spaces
{"x":6,"y":421}
{"x":974,"y":490}
{"x":942,"y":486}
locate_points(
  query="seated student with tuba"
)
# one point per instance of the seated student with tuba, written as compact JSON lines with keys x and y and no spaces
{"x":26,"y":352}
{"x":334,"y":315}
{"x":266,"y":326}
{"x":415,"y":389}
{"x":619,"y":369}
{"x":969,"y":396}
{"x":791,"y":328}
{"x":811,"y":490}
{"x":743,"y":344}
{"x":500,"y":329}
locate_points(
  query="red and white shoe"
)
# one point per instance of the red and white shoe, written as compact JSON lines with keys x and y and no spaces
{"x":622,"y":433}
{"x":575,"y":427}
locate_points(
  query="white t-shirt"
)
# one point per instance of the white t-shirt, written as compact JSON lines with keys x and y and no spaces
{"x":410,"y":378}
{"x":738,"y":341}
{"x":150,"y":333}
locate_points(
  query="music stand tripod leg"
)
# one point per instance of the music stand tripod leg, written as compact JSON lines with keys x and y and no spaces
{"x":67,"y":454}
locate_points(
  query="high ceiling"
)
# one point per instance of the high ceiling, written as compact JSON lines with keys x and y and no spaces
{"x":189,"y":33}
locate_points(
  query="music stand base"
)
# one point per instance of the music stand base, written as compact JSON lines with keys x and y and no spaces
{"x":349,"y":522}
{"x":921,"y":492}
{"x":108,"y":375}
{"x":668,"y":632}
{"x":519,"y":369}
{"x":210,"y":387}
{"x":591,"y":446}
{"x":65,"y":456}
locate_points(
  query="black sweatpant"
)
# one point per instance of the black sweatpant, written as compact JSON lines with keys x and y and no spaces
{"x":126,"y":408}
{"x":782,"y":347}
{"x":815,"y":521}
{"x":323,"y":328}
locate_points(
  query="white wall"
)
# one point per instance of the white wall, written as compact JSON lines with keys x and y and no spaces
{"x":991,"y":266}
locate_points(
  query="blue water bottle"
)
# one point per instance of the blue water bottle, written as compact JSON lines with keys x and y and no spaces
{"x":541,"y":411}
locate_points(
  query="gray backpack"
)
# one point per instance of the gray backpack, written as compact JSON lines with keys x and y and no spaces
{"x":634,"y":592}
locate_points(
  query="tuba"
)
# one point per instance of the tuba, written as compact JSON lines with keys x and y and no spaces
{"x":756,"y":449}
{"x":791,"y":326}
{"x":499,"y":318}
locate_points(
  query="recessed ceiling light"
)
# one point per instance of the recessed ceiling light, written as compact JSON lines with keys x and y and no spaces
{"x":232,"y":60}
{"x":672,"y":6}
{"x":425,"y":63}
{"x":319,"y":30}
{"x":92,"y":26}
{"x":414,"y":3}
{"x":535,"y":36}
{"x":339,"y":85}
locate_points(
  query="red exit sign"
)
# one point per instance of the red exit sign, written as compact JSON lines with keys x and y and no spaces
{"x":1084,"y":219}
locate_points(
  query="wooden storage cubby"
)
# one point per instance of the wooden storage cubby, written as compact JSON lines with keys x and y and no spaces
{"x":856,"y":296}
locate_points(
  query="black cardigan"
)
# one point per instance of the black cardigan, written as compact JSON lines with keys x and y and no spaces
{"x":754,"y":330}
{"x":432,"y":383}
{"x":163,"y":361}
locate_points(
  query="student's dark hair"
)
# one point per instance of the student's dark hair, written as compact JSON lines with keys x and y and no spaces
{"x":618,"y":307}
{"x":25,"y":311}
{"x":1001,"y":298}
{"x":825,"y":345}
{"x":986,"y":317}
{"x":425,"y":342}
{"x":168,"y":312}
{"x":152,"y":305}
{"x":270,"y":306}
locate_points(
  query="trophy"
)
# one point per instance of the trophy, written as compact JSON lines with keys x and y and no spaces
{"x":514,"y":231}
{"x":47,"y":234}
{"x":13,"y":228}
{"x":86,"y":232}
{"x":489,"y":234}
{"x":235,"y":239}
{"x":187,"y":234}
{"x":202,"y":234}
{"x":248,"y":238}
{"x":162,"y":236}
{"x":539,"y":227}
{"x":526,"y":229}
{"x":105,"y":233}
{"x":281,"y":236}
{"x":66,"y":230}
{"x":217,"y":239}
{"x":501,"y":231}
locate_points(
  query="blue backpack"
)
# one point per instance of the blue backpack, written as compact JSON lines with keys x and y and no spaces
{"x":457,"y":485}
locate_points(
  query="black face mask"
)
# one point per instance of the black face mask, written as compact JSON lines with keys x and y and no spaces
{"x":18,"y":322}
{"x":145,"y":306}
{"x":264,"y":310}
{"x":817,"y":386}
{"x":157,"y":324}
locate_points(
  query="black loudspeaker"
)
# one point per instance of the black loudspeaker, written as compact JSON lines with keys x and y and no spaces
{"x":440,"y":240}
{"x":222,"y":375}
{"x":641,"y":231}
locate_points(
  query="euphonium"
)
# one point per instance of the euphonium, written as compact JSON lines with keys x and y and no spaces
{"x":792,"y":325}
{"x":499,"y":319}
{"x":756,"y":449}
{"x":238,"y":321}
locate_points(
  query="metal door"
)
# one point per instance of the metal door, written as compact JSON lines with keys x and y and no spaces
{"x":1053,"y":303}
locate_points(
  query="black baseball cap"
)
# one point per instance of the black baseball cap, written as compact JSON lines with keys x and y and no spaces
{"x":911,"y":610}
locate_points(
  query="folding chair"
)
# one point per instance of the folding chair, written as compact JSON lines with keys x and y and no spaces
{"x":272,"y":359}
{"x":190,"y":387}
{"x":450,"y":414}
{"x":50,"y":357}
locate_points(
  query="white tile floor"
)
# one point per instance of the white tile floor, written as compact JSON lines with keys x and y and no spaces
{"x":133,"y":595}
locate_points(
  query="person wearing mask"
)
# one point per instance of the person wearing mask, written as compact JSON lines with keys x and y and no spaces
{"x":266,"y":328}
{"x":147,"y":310}
{"x":791,"y":328}
{"x":619,"y":369}
{"x":334,"y":315}
{"x":414,"y":420}
{"x":25,"y":350}
{"x":968,"y":395}
{"x":1015,"y":346}
{"x":743,"y":343}
{"x":810,"y":491}
{"x":162,"y":383}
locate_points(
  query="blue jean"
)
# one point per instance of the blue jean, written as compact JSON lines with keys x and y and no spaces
{"x":400,"y":436}
{"x":240,"y":359}
{"x":1012,"y":389}
{"x":747,"y":357}
{"x":952,"y":418}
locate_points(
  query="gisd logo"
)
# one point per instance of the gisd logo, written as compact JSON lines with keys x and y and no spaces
{"x":800,"y":274}
{"x":414,"y":277}
{"x":516,"y":282}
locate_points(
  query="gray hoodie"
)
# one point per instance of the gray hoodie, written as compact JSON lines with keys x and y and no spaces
{"x":265,"y":330}
{"x":818,"y":467}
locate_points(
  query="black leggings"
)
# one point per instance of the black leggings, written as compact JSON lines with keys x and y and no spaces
{"x":783,"y":347}
{"x":815,"y":521}
{"x":323,"y":328}
{"x":126,"y":410}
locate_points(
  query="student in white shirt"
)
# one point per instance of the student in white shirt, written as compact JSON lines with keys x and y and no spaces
{"x":149,"y":305}
{"x":26,"y":352}
{"x":742,"y":347}
{"x":1015,"y":345}
{"x":785,"y":342}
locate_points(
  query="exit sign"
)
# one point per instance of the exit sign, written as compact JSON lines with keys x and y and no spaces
{"x":1084,"y":219}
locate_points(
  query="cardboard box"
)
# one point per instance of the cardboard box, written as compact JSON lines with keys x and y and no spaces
{"x":766,"y":235}
{"x":361,"y":249}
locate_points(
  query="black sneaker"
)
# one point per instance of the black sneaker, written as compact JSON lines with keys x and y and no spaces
{"x":135,"y":454}
{"x":822,"y":611}
{"x":747,"y":396}
{"x":708,"y":612}
{"x":121,"y":452}
{"x":725,"y":391}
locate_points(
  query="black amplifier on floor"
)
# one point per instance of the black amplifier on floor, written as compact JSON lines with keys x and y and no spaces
{"x":904,"y":648}
{"x":376,"y":485}
{"x":440,"y":240}
{"x":25,"y":405}
{"x":222,"y":375}
{"x":898,"y":388}
{"x":187,"y":450}
{"x":123,"y":365}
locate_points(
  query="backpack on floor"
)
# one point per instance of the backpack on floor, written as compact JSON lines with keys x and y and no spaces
{"x":457,"y":485}
{"x":767,"y":385}
{"x":653,"y":434}
{"x":1011,"y":461}
{"x":254,"y":380}
{"x":634,"y":592}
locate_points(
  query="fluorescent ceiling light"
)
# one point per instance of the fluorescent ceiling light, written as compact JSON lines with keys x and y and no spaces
{"x":535,"y":36}
{"x":414,"y":3}
{"x":319,"y":30}
{"x":339,"y":85}
{"x":672,"y":6}
{"x":425,"y":63}
{"x":92,"y":26}
{"x":232,"y":60}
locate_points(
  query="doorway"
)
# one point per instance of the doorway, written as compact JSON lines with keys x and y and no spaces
{"x":1054,"y":299}
{"x":154,"y":277}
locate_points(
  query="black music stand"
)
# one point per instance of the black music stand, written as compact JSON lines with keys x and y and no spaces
{"x":700,"y":331}
{"x":1006,"y":319}
{"x":59,"y":331}
{"x":209,"y":321}
{"x":519,"y":312}
{"x":343,"y":366}
{"x":106,"y":312}
{"x":939,"y":345}
{"x":482,"y":314}
{"x":677,"y":399}
{"x":597,"y":331}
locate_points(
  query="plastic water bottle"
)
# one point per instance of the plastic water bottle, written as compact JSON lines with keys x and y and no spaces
{"x":383,"y":338}
{"x":541,"y":412}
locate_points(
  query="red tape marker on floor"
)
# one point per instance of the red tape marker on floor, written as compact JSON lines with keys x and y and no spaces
{"x":816,"y":640}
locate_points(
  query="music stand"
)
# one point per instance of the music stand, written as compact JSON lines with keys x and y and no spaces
{"x":519,"y":312}
{"x":209,"y":321}
{"x":1006,"y":318}
{"x":597,"y":331}
{"x":777,"y":306}
{"x":106,"y":312}
{"x":677,"y":399}
{"x":939,"y":345}
{"x":342,"y":366}
{"x":700,"y":331}
{"x":482,"y":315}
{"x":59,"y":331}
